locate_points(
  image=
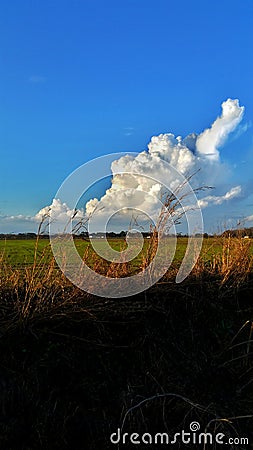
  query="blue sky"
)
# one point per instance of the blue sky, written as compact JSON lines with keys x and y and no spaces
{"x":80,"y":79}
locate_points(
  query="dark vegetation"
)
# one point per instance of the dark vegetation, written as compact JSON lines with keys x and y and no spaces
{"x":73,"y":365}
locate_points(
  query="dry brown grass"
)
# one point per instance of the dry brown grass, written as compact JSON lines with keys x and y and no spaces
{"x":76,"y":367}
{"x":235,"y":263}
{"x":34,"y":286}
{"x":232,"y":264}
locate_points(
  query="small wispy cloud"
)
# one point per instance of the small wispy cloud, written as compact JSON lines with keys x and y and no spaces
{"x":128,"y":131}
{"x":36,"y":79}
{"x":16,"y":218}
{"x":218,"y":200}
{"x":241,"y":129}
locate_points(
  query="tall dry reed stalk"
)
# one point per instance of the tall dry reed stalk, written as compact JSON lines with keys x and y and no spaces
{"x":170,"y":215}
{"x":236,"y":259}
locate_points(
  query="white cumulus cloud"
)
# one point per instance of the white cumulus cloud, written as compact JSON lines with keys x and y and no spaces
{"x":58,"y":210}
{"x":209,"y":142}
{"x":135,"y":189}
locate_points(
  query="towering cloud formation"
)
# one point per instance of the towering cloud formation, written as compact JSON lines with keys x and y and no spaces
{"x":208,"y":142}
{"x":185,"y":154}
{"x":138,"y":187}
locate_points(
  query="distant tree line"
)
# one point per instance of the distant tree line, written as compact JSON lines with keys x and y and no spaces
{"x":24,"y":236}
{"x":244,"y":232}
{"x":18,"y":236}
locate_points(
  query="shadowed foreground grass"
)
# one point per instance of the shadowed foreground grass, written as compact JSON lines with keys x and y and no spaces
{"x":73,"y":366}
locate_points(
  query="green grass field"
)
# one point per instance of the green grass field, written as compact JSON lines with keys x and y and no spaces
{"x":20,"y":252}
